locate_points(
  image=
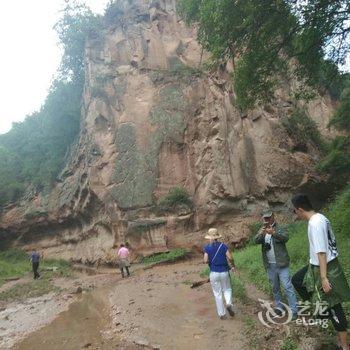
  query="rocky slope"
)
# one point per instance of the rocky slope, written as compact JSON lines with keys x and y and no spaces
{"x":153,"y":118}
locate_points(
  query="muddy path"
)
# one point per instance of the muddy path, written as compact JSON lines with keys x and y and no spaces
{"x":85,"y":325}
{"x":153,"y":309}
{"x":160,"y":310}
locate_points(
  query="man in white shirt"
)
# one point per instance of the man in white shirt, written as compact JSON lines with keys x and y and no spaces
{"x":323,"y":280}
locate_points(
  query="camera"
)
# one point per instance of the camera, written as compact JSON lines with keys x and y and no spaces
{"x":267,"y":246}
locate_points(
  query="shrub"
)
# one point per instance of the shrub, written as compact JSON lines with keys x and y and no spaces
{"x":176,"y":196}
{"x":303,"y":129}
{"x":170,"y":256}
{"x":341,"y":117}
{"x":337,"y":160}
{"x":113,"y":13}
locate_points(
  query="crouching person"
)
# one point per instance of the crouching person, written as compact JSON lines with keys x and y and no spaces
{"x":219,"y":259}
{"x":273,"y":240}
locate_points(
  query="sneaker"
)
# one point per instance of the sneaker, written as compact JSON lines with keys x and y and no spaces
{"x":278,"y":312}
{"x":230,"y":310}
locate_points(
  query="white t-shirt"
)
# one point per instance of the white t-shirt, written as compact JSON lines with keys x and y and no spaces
{"x":321,"y":239}
{"x":270,"y":254}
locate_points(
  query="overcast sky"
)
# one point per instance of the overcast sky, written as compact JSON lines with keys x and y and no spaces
{"x":29,"y":54}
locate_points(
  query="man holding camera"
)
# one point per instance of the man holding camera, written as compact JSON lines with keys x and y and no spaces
{"x":273,"y":240}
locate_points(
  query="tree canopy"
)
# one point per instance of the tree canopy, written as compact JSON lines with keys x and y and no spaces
{"x":272,"y":39}
{"x":32,"y":153}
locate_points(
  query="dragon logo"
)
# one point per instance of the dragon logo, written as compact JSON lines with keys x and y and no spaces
{"x":268,"y":317}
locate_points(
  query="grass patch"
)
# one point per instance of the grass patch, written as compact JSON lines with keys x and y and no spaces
{"x":170,"y":256}
{"x":251,"y":331}
{"x":205,"y":273}
{"x":28,"y":290}
{"x":16,"y":263}
{"x":289,"y":344}
{"x":13,"y":263}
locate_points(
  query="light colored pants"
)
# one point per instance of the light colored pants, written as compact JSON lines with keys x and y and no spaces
{"x":277,"y":276}
{"x":221,"y":285}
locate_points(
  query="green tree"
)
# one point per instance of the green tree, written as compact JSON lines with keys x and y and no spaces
{"x":337,"y":160}
{"x":76,"y":26}
{"x":32,"y":153}
{"x":271,"y":39}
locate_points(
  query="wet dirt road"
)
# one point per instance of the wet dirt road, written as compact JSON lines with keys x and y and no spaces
{"x":159,"y":309}
{"x":153,"y":309}
{"x":81,"y":326}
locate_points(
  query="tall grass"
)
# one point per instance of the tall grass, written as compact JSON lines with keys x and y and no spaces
{"x":16,"y":263}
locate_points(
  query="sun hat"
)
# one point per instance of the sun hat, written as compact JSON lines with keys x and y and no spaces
{"x":213,"y":234}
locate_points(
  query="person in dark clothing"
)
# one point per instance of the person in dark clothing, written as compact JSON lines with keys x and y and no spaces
{"x":323,"y":280}
{"x":273,"y":239}
{"x":35,"y":260}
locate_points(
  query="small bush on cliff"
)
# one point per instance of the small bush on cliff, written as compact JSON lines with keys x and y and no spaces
{"x":341,"y":117}
{"x":337,"y":160}
{"x":303,"y":129}
{"x":176,"y":196}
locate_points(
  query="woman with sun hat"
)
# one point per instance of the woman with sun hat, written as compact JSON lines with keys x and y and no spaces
{"x":220,"y":261}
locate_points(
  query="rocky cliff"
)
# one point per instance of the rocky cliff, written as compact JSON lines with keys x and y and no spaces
{"x":154,"y":118}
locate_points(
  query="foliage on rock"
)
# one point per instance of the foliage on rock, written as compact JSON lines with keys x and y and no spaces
{"x":262,"y":37}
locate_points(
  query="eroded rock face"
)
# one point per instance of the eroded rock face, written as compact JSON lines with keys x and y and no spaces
{"x":153,"y":119}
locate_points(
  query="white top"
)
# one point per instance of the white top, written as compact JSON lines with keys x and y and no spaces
{"x":321,"y":239}
{"x":270,"y":254}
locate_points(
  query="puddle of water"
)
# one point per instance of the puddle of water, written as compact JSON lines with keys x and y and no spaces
{"x":85,"y":270}
{"x":79,"y":327}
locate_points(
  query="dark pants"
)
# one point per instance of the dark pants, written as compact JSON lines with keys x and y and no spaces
{"x":335,"y":314}
{"x":127,"y":270}
{"x":35,"y":269}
